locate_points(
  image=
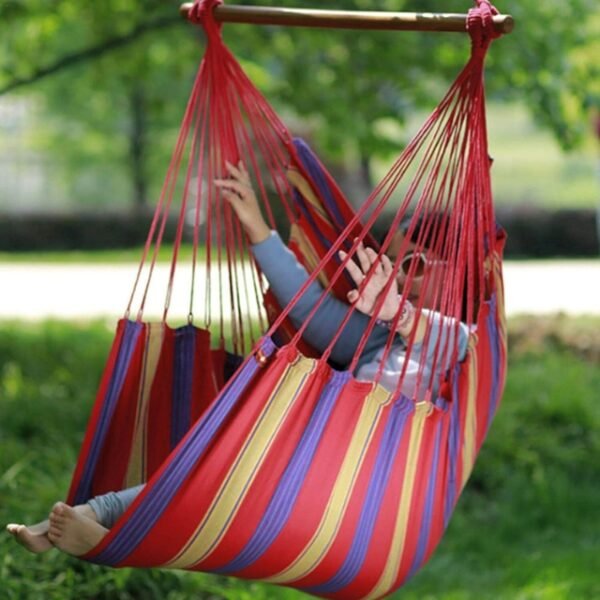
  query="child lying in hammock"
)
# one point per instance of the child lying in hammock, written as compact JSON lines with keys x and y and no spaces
{"x":285,"y":276}
{"x":76,"y":530}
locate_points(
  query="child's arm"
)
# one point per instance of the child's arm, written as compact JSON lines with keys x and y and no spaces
{"x":286,"y":276}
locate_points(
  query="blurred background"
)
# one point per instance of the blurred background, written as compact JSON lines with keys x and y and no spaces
{"x":91,"y":99}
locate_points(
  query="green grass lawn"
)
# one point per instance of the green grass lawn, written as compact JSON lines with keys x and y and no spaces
{"x":524,"y":528}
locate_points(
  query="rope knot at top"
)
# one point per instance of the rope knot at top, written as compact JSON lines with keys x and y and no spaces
{"x":201,"y":12}
{"x":480,"y":25}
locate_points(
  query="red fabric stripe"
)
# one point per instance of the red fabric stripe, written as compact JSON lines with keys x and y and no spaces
{"x":377,"y":553}
{"x":208,"y":365}
{"x":316,"y":489}
{"x":182,"y":516}
{"x":419,"y":494}
{"x":262,"y":488}
{"x":437,"y":528}
{"x":96,"y":410}
{"x":159,"y":420}
{"x":336,"y":555}
{"x":114,"y":456}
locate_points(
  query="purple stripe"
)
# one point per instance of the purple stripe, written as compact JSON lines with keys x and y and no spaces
{"x":425,"y":530}
{"x":492,"y":325}
{"x":316,"y":230}
{"x":180,"y":465}
{"x":183,"y":371}
{"x":387,"y":459}
{"x":315,"y":171}
{"x":297,"y":392}
{"x":323,"y":192}
{"x":282,"y":503}
{"x":453,"y":442}
{"x":121,"y":367}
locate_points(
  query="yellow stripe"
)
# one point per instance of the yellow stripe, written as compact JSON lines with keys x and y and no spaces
{"x":500,"y":309}
{"x":236,"y":484}
{"x":390,"y":572}
{"x":304,"y":188}
{"x":309,"y":254}
{"x":136,"y":469}
{"x":341,"y":494}
{"x":468,"y":454}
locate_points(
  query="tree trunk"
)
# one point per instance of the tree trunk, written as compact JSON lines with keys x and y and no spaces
{"x":137,"y":147}
{"x":366,"y":179}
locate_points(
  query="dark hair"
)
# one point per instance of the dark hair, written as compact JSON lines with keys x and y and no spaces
{"x":431,"y":227}
{"x":422,"y":221}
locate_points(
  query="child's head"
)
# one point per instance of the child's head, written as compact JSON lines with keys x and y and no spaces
{"x":427,"y":268}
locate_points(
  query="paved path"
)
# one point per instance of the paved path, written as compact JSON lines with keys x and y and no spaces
{"x":80,"y":291}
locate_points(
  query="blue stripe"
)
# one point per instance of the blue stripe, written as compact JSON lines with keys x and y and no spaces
{"x":183,"y":371}
{"x":386,"y":459}
{"x":325,"y":196}
{"x":315,"y":171}
{"x":282,"y":503}
{"x":128,"y":344}
{"x":259,"y":459}
{"x":492,"y":325}
{"x":425,"y":530}
{"x":301,"y":204}
{"x":158,"y":497}
{"x":453,"y":438}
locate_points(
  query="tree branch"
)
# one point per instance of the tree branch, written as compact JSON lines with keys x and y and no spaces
{"x":91,"y":53}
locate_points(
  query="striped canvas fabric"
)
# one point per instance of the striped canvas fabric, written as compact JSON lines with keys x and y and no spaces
{"x":297,"y":474}
{"x":281,"y":468}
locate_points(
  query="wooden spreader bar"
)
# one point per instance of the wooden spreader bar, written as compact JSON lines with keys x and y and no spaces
{"x":344,"y":19}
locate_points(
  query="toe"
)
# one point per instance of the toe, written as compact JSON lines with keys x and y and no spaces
{"x":59,"y":509}
{"x":53,"y":535}
{"x":68,"y":512}
{"x":55,"y":531}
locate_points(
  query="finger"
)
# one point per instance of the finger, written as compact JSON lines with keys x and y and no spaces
{"x":363,"y":258}
{"x":231,"y":196}
{"x":233,"y":185}
{"x":387,"y":265}
{"x":235,"y":201}
{"x":352,"y":296}
{"x":236,"y":173}
{"x":374,"y":259}
{"x":353,"y":269}
{"x":244,"y":176}
{"x":239,"y":173}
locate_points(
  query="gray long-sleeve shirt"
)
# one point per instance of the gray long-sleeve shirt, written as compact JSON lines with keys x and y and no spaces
{"x":286,"y":276}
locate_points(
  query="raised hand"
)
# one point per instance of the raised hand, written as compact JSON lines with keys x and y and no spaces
{"x":367,"y":298}
{"x":238,"y":191}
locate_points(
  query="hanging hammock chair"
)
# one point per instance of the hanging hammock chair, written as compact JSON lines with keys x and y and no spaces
{"x":281,"y":465}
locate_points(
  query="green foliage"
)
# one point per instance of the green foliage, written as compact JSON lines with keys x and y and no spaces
{"x":530,"y":169}
{"x":108,"y":109}
{"x":523,"y":529}
{"x":127,"y":72}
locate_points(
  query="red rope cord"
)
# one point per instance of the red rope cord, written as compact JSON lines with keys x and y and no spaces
{"x":229,"y":120}
{"x":173,"y":167}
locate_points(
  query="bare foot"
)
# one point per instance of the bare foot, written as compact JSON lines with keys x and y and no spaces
{"x":34,"y":537}
{"x":72,"y":531}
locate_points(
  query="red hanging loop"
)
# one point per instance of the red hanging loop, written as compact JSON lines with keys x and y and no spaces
{"x":480,"y":25}
{"x":201,"y":13}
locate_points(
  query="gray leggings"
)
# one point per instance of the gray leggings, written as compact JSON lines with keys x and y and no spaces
{"x":109,"y":507}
